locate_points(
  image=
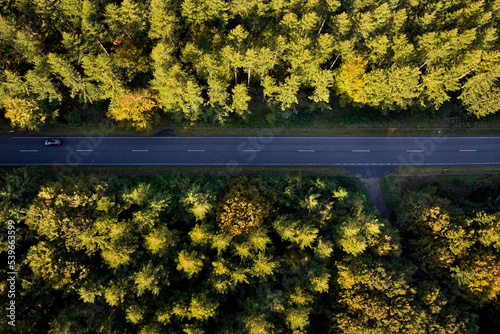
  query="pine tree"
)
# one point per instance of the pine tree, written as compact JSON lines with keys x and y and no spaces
{"x":356,"y":231}
{"x":148,"y":279}
{"x":162,"y":20}
{"x":202,"y":307}
{"x":240,"y":101}
{"x":263,"y":266}
{"x":189,"y":262}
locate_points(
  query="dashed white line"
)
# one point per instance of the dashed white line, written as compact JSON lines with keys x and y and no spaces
{"x":306,"y":150}
{"x":251,"y":150}
{"x":361,"y":151}
{"x":28,"y":150}
{"x":467,"y":150}
{"x":196,"y":150}
{"x":140,"y":150}
{"x":414,"y":151}
{"x":84,"y":150}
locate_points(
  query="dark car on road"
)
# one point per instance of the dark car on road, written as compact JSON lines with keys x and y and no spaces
{"x":53,"y":141}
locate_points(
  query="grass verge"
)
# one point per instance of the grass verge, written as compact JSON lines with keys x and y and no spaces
{"x":450,"y":180}
{"x":449,"y":120}
{"x":471,"y":189}
{"x":209,"y":170}
{"x":446,"y":170}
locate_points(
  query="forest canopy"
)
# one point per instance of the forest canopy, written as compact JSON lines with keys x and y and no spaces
{"x":206,"y":60}
{"x":157,"y":254}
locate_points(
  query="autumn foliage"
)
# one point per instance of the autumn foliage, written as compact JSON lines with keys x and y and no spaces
{"x":244,"y":207}
{"x":135,"y":109}
{"x":266,"y":254}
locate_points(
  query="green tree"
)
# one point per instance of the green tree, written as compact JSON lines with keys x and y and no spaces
{"x":257,"y":324}
{"x":198,"y":203}
{"x":394,"y":89}
{"x":45,"y":262}
{"x":240,"y":100}
{"x":190,"y":262}
{"x":159,"y":240}
{"x":489,"y":229}
{"x":300,"y":233}
{"x":162,"y":20}
{"x":322,"y":85}
{"x":263,"y":266}
{"x":375,"y":299}
{"x":178,"y":94}
{"x":481,"y":92}
{"x":101,"y":71}
{"x":125,"y":20}
{"x":148,"y":279}
{"x":135,"y":313}
{"x":356,"y":231}
{"x":434,"y":242}
{"x":202,"y":307}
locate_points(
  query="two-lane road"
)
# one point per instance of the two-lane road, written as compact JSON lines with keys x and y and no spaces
{"x":367,"y":156}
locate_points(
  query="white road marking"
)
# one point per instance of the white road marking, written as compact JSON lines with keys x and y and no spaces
{"x":140,"y":150}
{"x":414,"y":151}
{"x":84,"y":150}
{"x":196,"y":150}
{"x":306,"y":150}
{"x":251,"y":150}
{"x":28,"y":150}
{"x":287,"y":137}
{"x":361,"y":151}
{"x":467,"y":150}
{"x":265,"y":164}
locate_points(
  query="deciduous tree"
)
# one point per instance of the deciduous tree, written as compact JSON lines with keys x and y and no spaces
{"x":137,"y":109}
{"x":24,"y":113}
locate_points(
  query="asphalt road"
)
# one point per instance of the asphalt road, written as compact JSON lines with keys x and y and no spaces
{"x":363,"y":156}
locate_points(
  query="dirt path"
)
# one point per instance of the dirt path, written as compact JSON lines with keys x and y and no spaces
{"x":373,"y":187}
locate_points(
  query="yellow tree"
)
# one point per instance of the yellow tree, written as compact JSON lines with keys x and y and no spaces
{"x":24,"y":113}
{"x":479,"y":277}
{"x":240,"y":100}
{"x":135,"y":109}
{"x":244,"y":207}
{"x":350,"y":79}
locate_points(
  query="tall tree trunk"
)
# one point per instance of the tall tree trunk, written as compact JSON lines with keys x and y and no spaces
{"x":463,"y":75}
{"x":334,"y":62}
{"x":102,"y":46}
{"x":321,"y":28}
{"x":248,"y":84}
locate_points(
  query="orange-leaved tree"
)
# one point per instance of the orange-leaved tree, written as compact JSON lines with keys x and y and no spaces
{"x":135,"y":109}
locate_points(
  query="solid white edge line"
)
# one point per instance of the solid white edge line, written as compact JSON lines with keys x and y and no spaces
{"x":415,"y":151}
{"x":196,"y":150}
{"x":278,"y":136}
{"x":250,"y":150}
{"x":467,"y":150}
{"x":361,"y":151}
{"x":140,"y":150}
{"x":84,"y":150}
{"x":28,"y":150}
{"x":306,"y":150}
{"x":258,"y":164}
